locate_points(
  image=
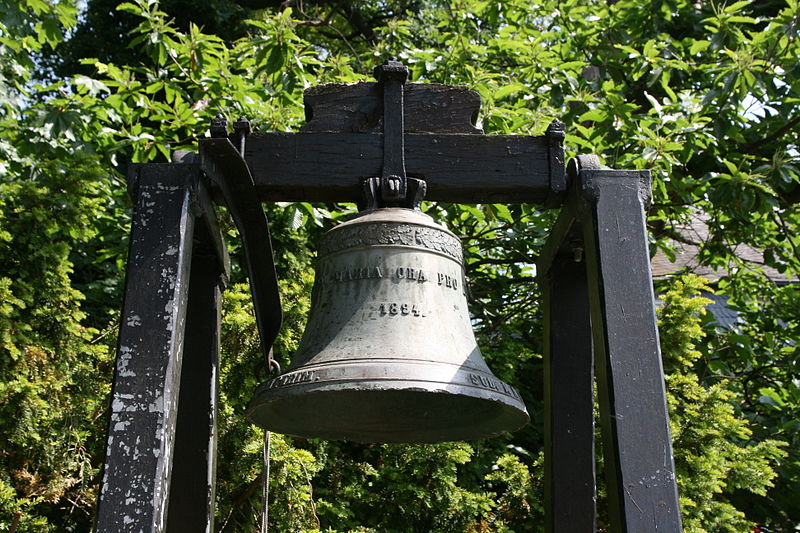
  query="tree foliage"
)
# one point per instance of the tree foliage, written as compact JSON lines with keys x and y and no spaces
{"x":703,"y":94}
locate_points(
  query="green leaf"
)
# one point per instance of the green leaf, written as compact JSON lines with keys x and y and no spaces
{"x":736,"y":6}
{"x":129,"y":8}
{"x":93,"y":86}
{"x":593,"y":115}
{"x":507,"y":90}
{"x":502,"y":212}
{"x":699,"y":46}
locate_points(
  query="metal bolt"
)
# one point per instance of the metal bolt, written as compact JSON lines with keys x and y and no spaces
{"x":219,"y":127}
{"x":241,"y":128}
{"x":577,"y":251}
{"x":391,"y":69}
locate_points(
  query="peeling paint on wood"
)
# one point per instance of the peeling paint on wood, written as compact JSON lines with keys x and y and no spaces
{"x":136,"y":478}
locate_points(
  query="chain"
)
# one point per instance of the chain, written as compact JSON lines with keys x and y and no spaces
{"x":265,"y":484}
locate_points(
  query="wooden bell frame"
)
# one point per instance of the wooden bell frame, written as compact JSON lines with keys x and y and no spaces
{"x":594,"y":271}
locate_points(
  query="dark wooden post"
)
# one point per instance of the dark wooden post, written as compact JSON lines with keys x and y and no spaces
{"x":569,"y":399}
{"x":192,"y":488}
{"x":144,"y":410}
{"x":568,"y":379}
{"x":637,"y":446}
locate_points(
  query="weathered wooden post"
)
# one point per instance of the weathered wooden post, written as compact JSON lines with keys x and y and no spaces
{"x":599,"y":304}
{"x":161,"y":458}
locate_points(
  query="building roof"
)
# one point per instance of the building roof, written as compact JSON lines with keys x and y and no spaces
{"x":693,"y":236}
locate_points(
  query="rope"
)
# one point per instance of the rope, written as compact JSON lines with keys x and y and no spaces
{"x":272,"y":366}
{"x":265,"y":484}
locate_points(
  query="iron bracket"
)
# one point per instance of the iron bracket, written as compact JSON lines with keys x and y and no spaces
{"x":394,"y":186}
{"x":555,"y":157}
{"x":229,"y":172}
{"x":415,"y":193}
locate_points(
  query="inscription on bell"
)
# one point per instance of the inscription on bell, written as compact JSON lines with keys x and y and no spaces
{"x":411,"y":273}
{"x":352,"y":274}
{"x":404,"y":309}
{"x":488,"y":383}
{"x":408,"y":273}
{"x":292,"y":378}
{"x":450,"y":282}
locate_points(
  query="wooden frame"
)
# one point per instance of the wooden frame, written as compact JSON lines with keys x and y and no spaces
{"x":598,"y":298}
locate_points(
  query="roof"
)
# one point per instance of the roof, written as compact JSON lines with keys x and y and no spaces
{"x":693,"y":236}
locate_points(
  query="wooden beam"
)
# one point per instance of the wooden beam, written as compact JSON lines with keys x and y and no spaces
{"x":358,"y":107}
{"x":329,"y":167}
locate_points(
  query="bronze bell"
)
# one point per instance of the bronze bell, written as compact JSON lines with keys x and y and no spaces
{"x":388,"y":354}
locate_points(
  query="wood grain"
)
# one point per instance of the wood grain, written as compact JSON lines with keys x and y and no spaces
{"x":358,"y":108}
{"x":329,"y":167}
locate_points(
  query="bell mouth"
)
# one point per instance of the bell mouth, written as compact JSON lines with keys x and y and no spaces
{"x":407,"y":409}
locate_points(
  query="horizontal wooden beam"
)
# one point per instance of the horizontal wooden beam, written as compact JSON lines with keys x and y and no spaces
{"x":428,"y":108}
{"x":329,"y":167}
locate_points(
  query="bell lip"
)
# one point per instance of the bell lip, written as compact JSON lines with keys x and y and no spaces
{"x":472,"y":374}
{"x":508,"y":420}
{"x":277,"y":410}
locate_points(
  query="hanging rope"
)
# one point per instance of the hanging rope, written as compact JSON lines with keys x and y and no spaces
{"x":265,"y":485}
{"x":274,"y":367}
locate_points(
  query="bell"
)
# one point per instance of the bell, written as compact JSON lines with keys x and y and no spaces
{"x":388,"y":354}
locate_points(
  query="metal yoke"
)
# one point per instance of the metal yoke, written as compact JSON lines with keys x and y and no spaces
{"x":393,"y":188}
{"x":392,"y":75}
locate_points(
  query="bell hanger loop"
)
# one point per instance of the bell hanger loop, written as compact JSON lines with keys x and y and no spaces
{"x":371,"y":189}
{"x":393,"y":188}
